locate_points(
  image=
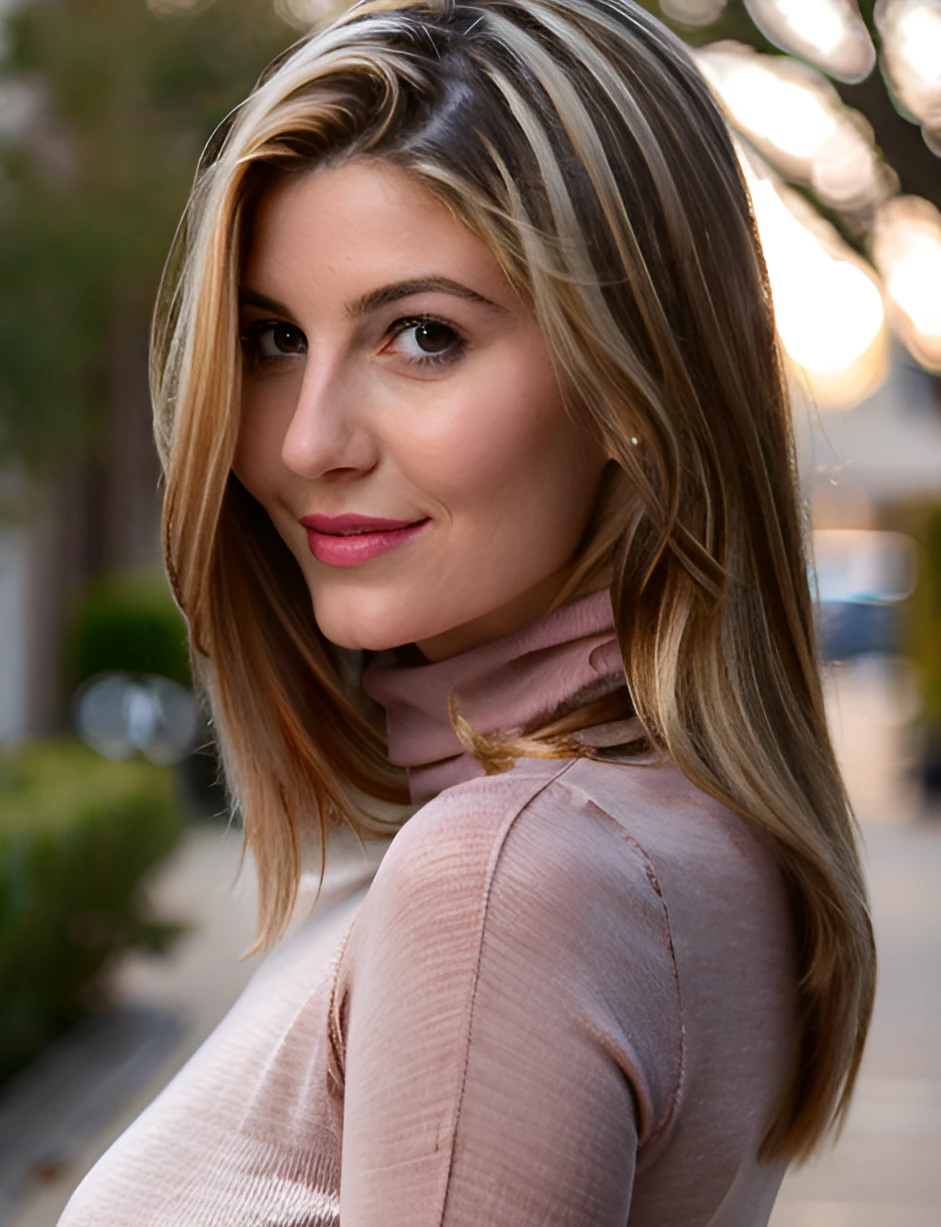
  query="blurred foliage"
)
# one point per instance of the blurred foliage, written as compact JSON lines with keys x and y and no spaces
{"x":128,"y":623}
{"x":77,"y":835}
{"x":92,"y":188}
{"x":920,"y":519}
{"x":926,"y":618}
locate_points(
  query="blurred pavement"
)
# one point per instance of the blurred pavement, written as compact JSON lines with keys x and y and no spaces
{"x":885,"y":1170}
{"x":200,"y":980}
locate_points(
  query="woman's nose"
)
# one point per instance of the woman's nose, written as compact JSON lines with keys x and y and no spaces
{"x":329,"y":428}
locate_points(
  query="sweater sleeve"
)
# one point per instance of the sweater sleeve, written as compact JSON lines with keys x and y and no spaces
{"x":507,"y":1015}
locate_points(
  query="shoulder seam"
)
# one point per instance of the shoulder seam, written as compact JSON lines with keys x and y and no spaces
{"x":496,"y":853}
{"x":676,"y":1095}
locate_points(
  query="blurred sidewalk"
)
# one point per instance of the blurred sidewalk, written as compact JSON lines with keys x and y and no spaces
{"x":198,"y":983}
{"x":885,"y":1171}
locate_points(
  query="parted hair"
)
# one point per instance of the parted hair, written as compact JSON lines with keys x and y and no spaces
{"x":578,"y":140}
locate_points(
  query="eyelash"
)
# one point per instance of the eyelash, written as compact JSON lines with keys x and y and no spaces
{"x":251,"y":335}
{"x":449,"y":355}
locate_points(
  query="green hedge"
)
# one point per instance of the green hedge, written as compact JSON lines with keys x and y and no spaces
{"x":923,"y":631}
{"x":77,"y":834}
{"x":128,"y":623}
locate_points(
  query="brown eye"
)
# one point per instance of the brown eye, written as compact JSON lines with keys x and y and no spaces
{"x":269,"y":340}
{"x":426,"y":341}
{"x":433,"y":336}
{"x":287,"y":339}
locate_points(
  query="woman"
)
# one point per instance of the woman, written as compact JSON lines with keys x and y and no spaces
{"x":495,"y":517}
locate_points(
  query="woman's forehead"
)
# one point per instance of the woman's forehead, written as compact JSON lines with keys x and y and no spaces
{"x":371,"y":225}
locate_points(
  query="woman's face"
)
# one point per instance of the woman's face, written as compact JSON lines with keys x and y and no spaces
{"x":392,"y":372}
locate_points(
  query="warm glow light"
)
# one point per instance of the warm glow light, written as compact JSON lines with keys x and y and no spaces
{"x":919,"y":32}
{"x":795,"y":117}
{"x":848,"y":174}
{"x":819,"y":22}
{"x":783,"y":104}
{"x":829,"y":33}
{"x":907,"y":251}
{"x":914,"y":284}
{"x":911,"y":42}
{"x":785,"y":113}
{"x":828,"y":308}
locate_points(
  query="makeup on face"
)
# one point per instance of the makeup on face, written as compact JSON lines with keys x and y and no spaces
{"x":348,"y":540}
{"x":392,"y":374}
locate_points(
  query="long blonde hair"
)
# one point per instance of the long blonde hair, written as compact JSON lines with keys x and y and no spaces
{"x":577,"y":139}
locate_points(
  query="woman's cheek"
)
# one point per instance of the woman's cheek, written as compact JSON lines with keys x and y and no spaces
{"x":481,"y":451}
{"x":262,"y":426}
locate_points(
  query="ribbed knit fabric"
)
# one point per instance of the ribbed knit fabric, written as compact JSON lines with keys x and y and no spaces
{"x":566,"y":996}
{"x":515,"y":683}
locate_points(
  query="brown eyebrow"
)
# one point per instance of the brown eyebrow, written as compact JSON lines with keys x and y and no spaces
{"x":377,"y":298}
{"x":251,"y":298}
{"x":418,"y":285}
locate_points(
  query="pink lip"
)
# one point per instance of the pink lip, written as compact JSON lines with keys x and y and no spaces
{"x":328,"y":546}
{"x":342,"y":524}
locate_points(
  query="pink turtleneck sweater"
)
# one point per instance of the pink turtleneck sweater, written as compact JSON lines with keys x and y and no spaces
{"x":565,"y":997}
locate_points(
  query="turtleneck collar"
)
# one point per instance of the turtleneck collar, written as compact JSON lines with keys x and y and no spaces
{"x":515,"y":683}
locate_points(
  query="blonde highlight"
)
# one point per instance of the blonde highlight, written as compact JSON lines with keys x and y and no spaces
{"x":559,"y":132}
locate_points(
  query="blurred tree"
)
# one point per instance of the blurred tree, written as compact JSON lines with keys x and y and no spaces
{"x":116,"y":101}
{"x":104,"y":108}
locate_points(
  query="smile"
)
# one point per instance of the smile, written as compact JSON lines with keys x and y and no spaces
{"x":352,"y":548}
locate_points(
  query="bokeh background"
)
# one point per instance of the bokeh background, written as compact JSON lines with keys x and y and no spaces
{"x":121,"y":913}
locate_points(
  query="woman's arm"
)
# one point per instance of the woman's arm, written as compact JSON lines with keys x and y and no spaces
{"x":509,"y":1018}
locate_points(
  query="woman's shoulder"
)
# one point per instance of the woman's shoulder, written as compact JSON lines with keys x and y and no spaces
{"x":655,"y":864}
{"x":579,"y":817}
{"x":718,"y":872}
{"x":638,"y":921}
{"x":516,"y":892}
{"x":674,"y":819}
{"x":519,"y":849}
{"x":475,"y":828}
{"x":596,"y":869}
